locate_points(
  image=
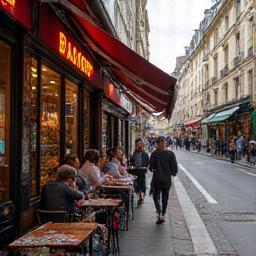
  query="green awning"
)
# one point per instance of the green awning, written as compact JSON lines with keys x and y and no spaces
{"x":208,"y":118}
{"x":223,"y":115}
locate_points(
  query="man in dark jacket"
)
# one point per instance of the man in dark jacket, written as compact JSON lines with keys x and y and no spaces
{"x":60,"y":195}
{"x":164,"y":165}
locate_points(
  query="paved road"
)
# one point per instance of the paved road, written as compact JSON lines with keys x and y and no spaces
{"x":232,"y":221}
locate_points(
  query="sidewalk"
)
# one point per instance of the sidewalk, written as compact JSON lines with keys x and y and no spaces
{"x":144,"y":237}
{"x":242,"y":162}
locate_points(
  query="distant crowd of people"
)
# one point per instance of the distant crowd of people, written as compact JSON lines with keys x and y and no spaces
{"x":237,"y":147}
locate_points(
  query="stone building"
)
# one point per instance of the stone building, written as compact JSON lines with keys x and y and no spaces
{"x":217,"y":83}
{"x":130,"y":21}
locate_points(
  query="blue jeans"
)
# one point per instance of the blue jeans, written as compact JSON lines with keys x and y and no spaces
{"x":165,"y":196}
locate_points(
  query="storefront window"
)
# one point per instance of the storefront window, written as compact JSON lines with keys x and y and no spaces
{"x":50,"y":123}
{"x":86,"y":121}
{"x":71,"y":117}
{"x":104,"y":131}
{"x":30,"y":122}
{"x":5,"y":75}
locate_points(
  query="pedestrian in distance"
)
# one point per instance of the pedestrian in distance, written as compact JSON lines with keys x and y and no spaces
{"x":232,"y":150}
{"x":163,"y":164}
{"x":140,"y":160}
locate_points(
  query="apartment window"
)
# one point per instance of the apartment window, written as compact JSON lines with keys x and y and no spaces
{"x":208,"y":100}
{"x":236,"y":83}
{"x":216,"y":97}
{"x":238,"y":8}
{"x":250,"y":37}
{"x":225,"y":89}
{"x":226,"y":55}
{"x":226,"y":23}
{"x":215,"y":63}
{"x":216,"y":37}
{"x":237,"y":44}
{"x":250,"y":82}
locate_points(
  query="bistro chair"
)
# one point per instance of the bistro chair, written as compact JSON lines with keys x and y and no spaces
{"x":53,"y":216}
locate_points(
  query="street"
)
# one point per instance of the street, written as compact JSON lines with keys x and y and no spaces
{"x":230,"y":217}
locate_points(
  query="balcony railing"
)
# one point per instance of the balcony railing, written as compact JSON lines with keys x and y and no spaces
{"x":221,"y":73}
{"x":238,"y":59}
{"x":213,"y":79}
{"x":205,"y":58}
{"x":224,"y":71}
{"x":250,"y":52}
{"x":206,"y":84}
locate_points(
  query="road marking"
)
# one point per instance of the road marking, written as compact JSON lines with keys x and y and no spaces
{"x":198,"y":162}
{"x":241,"y":170}
{"x":202,"y":242}
{"x":207,"y":196}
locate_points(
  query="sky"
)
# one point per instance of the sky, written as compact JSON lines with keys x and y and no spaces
{"x":172,"y":24}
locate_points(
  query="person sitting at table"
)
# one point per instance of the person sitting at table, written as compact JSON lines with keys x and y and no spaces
{"x":91,"y":171}
{"x":81,"y":182}
{"x":59,"y":195}
{"x":140,"y":160}
{"x":115,"y":168}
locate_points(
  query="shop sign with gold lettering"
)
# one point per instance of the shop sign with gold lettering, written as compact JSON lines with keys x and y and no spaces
{"x":8,"y":4}
{"x":73,"y":55}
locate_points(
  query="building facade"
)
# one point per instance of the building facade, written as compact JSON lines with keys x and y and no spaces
{"x":217,"y":83}
{"x":56,"y":97}
{"x":130,"y":20}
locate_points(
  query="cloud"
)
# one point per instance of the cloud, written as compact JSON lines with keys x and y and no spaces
{"x":171,"y":28}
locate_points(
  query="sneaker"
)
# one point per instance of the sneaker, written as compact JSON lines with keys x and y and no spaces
{"x":158,"y":221}
{"x":162,"y":218}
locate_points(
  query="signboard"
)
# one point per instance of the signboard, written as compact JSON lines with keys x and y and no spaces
{"x":127,"y":104}
{"x":20,"y":10}
{"x":61,"y":40}
{"x":73,"y":55}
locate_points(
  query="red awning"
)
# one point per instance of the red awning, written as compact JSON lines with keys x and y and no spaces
{"x":193,"y":123}
{"x":150,"y":84}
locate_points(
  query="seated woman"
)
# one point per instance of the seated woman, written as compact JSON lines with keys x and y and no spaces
{"x":81,"y":182}
{"x":59,"y":195}
{"x":90,"y":170}
{"x":114,"y":167}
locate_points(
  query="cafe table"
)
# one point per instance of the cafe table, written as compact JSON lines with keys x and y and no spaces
{"x":67,"y":236}
{"x":137,"y":171}
{"x":108,"y":204}
{"x":126,"y":193}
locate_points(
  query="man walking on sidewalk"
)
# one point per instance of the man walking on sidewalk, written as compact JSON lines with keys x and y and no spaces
{"x":164,"y":165}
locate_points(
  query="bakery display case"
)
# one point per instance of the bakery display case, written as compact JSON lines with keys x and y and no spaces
{"x":104,"y":132}
{"x":50,"y":124}
{"x":71,"y":117}
{"x":30,"y":117}
{"x":5,"y":61}
{"x":86,"y":121}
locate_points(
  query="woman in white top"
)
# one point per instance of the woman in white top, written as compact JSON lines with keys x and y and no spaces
{"x":90,"y":171}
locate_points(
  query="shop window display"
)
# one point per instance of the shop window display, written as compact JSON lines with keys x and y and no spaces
{"x":86,"y":122}
{"x":5,"y":75}
{"x":50,"y":124}
{"x":104,"y":132}
{"x":30,"y":118}
{"x":71,"y":117}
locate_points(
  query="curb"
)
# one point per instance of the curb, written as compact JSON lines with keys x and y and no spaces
{"x":227,"y":160}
